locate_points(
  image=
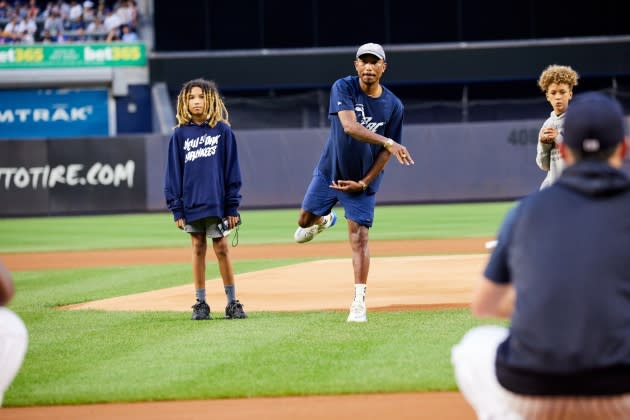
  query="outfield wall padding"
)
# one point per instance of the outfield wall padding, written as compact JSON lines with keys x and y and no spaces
{"x":453,"y":162}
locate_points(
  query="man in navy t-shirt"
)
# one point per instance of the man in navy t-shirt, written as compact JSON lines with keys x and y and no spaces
{"x":561,"y":273}
{"x":365,"y":130}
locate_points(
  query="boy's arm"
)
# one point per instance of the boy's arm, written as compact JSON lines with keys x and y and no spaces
{"x":232,"y":176}
{"x":173,"y":181}
{"x":543,"y":152}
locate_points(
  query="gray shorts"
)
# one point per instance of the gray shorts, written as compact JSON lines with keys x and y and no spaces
{"x":207,"y":226}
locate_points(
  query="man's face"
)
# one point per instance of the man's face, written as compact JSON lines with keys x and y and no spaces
{"x":370,"y":68}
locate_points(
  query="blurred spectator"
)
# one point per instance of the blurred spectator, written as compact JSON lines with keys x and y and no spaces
{"x":20,"y":9}
{"x":10,"y":33}
{"x":96,"y":30}
{"x":54,"y":23}
{"x":127,"y":13}
{"x":77,"y":35}
{"x":64,"y":9}
{"x":74,"y":15}
{"x":128,"y":34}
{"x":47,"y":38}
{"x":100,"y":10}
{"x":113,"y":35}
{"x":89,"y":14}
{"x":47,"y":11}
{"x":27,"y":28}
{"x":76,"y":24}
{"x":5,"y":9}
{"x":112,"y":20}
{"x":33,"y":9}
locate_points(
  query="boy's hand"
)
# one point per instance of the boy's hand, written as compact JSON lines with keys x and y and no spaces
{"x":548,"y":135}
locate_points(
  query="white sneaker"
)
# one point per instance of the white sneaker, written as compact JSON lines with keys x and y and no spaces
{"x":302,"y":235}
{"x":357,"y":312}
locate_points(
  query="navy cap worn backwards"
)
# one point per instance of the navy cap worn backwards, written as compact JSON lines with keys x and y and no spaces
{"x":593,"y":122}
{"x":371,"y":48}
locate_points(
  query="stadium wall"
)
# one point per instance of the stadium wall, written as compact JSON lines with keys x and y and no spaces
{"x":442,"y":63}
{"x":454,"y":162}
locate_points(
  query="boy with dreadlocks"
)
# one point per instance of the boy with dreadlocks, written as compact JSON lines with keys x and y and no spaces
{"x":202,"y":186}
{"x":557,"y":83}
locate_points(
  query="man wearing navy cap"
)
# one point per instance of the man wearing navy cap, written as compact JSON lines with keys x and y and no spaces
{"x":561,"y":273}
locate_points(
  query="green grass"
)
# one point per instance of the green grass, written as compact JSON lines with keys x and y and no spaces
{"x":157,"y":230}
{"x":165,"y":356}
{"x":93,"y":356}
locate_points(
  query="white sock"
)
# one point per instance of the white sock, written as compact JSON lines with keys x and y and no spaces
{"x":359,"y":292}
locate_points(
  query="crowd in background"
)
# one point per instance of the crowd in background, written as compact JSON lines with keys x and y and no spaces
{"x":61,"y":21}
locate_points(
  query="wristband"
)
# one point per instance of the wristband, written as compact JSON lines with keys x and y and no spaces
{"x":389,"y":143}
{"x":363,"y":184}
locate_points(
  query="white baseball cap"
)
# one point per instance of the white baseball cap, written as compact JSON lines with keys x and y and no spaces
{"x":371,"y":48}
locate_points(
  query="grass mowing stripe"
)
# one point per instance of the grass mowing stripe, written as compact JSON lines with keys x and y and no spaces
{"x":51,"y":288}
{"x":161,"y":356}
{"x":157,"y":230}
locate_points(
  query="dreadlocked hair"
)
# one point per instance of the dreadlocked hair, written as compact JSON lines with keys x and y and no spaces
{"x":214,"y":108}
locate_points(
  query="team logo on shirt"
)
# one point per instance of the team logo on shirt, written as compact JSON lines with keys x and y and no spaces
{"x":202,"y":146}
{"x":364,"y":120}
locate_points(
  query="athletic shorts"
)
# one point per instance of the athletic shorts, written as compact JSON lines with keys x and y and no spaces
{"x":320,"y":199}
{"x":208,"y":225}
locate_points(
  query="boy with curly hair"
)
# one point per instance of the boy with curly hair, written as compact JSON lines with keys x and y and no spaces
{"x":557,"y":83}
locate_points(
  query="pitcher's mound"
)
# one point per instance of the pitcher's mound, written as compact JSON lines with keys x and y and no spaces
{"x":394,"y":283}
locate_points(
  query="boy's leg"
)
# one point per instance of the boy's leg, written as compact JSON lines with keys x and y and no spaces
{"x":201,"y":309}
{"x":234,"y":308}
{"x":199,"y":248}
{"x":222,"y":252}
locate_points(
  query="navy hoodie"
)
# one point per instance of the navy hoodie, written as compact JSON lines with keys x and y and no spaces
{"x":566,"y":250}
{"x":203,"y":176}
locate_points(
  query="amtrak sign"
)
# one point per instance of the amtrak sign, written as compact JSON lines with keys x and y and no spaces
{"x":46,"y":113}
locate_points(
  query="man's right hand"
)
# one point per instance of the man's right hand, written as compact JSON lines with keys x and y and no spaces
{"x":401,"y":153}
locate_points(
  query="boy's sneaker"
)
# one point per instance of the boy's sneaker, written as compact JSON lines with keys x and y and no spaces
{"x":234,"y":310}
{"x":357,"y":312}
{"x":201,"y":310}
{"x":302,"y":235}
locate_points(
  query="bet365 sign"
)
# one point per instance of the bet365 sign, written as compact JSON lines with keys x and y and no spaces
{"x":73,"y":55}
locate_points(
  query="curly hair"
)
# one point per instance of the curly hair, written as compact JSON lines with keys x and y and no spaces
{"x":214,"y":108}
{"x":557,"y":74}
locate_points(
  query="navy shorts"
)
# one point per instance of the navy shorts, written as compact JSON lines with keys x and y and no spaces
{"x":320,"y":199}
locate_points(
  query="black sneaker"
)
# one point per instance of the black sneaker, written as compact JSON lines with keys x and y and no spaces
{"x":201,"y":310}
{"x":235,"y":310}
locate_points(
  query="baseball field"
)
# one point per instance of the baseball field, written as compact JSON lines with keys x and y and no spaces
{"x":106,"y":300}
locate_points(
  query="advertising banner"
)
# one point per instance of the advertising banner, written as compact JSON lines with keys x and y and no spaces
{"x":47,"y":113}
{"x":73,"y":55}
{"x":76,"y":176}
